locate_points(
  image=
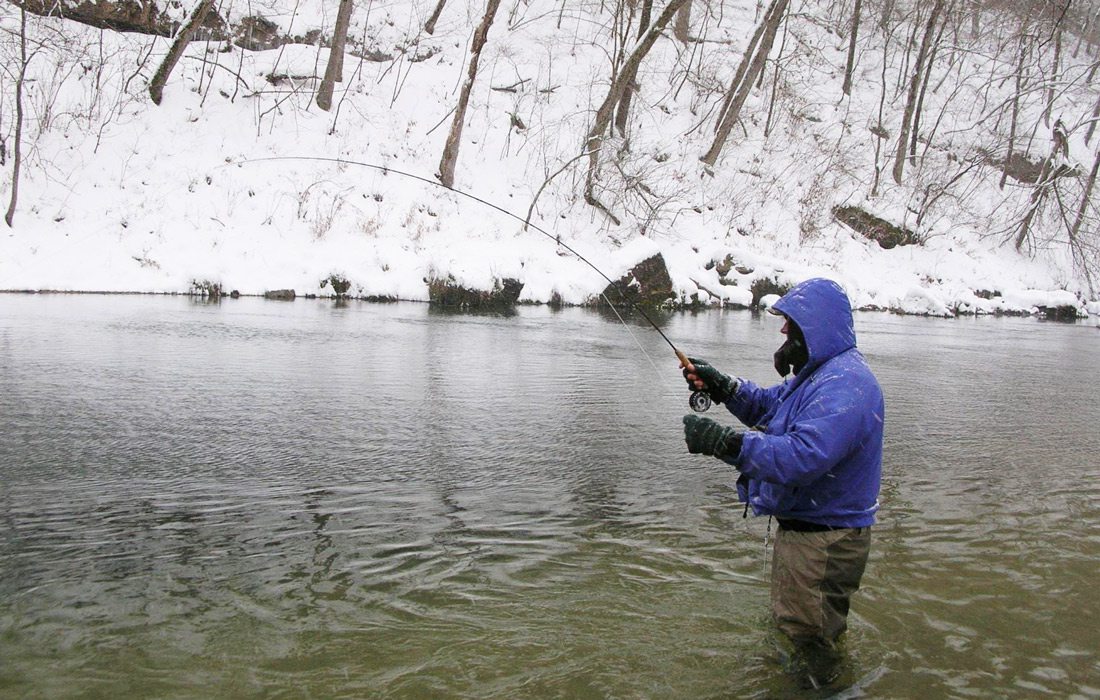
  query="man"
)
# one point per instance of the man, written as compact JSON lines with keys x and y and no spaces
{"x":812,"y":459}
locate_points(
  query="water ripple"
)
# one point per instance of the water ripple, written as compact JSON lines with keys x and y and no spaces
{"x":366,"y":501}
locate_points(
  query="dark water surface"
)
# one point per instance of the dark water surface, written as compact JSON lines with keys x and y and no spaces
{"x":306,"y":500}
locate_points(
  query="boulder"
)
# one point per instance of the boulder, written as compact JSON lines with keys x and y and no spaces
{"x":447,"y":292}
{"x":879,"y":230}
{"x":647,"y":284}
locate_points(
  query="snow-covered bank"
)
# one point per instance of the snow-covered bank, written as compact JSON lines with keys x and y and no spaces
{"x":120,"y":195}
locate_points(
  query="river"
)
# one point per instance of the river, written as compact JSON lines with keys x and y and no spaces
{"x":308,"y":499}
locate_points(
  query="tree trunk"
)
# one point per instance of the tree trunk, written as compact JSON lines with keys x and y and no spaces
{"x":429,"y":26}
{"x":1081,"y":35}
{"x":450,"y":150}
{"x":681,"y":28}
{"x":1059,"y":151}
{"x":179,"y":44}
{"x":743,"y":66}
{"x":627,"y":74}
{"x":1054,"y":73}
{"x":1015,"y":111}
{"x":1085,"y":199}
{"x":614,"y":94}
{"x":924,"y":89}
{"x":910,"y":42}
{"x":17,"y":147}
{"x":334,"y":71}
{"x":847,"y":87}
{"x":1092,"y":121}
{"x":880,"y":131}
{"x":771,"y":26}
{"x":643,"y":22}
{"x":622,"y":110}
{"x":775,"y":77}
{"x":887,"y":13}
{"x":914,"y":87}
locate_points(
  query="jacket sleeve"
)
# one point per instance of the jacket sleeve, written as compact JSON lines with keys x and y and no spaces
{"x":829,"y":422}
{"x":752,"y":402}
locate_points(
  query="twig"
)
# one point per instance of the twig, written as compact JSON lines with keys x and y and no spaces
{"x":530,"y":209}
{"x":512,"y":87}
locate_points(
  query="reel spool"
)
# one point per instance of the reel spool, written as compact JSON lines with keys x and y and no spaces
{"x":700,"y":401}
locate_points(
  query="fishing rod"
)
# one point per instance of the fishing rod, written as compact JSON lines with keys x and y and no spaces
{"x":699,"y":401}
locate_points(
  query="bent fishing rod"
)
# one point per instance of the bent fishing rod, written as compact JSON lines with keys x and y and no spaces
{"x":699,"y":401}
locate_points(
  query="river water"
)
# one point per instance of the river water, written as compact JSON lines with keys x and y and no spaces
{"x":306,"y":499}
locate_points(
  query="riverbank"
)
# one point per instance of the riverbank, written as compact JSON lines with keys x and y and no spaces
{"x":1050,"y":311}
{"x":237,"y":181}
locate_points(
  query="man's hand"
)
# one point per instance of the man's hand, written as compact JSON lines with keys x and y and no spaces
{"x":702,"y":376}
{"x":708,"y":437}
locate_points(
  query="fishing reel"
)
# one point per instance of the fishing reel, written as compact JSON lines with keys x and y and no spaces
{"x":700,"y":401}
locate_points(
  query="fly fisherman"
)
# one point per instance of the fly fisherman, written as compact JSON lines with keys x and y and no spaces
{"x":813,"y":458}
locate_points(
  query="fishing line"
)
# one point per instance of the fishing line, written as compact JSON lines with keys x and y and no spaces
{"x":699,"y":401}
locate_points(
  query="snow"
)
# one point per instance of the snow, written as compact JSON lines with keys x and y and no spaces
{"x":246,"y":183}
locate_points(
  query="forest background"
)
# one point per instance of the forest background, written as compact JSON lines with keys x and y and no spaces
{"x":934,"y":156}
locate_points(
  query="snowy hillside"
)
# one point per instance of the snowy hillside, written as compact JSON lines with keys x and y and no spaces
{"x":233,"y":179}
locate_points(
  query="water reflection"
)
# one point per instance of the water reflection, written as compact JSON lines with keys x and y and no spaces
{"x":380,"y":500}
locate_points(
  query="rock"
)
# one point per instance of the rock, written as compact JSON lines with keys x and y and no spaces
{"x":447,"y":292}
{"x":647,"y":284}
{"x":879,"y":230}
{"x":340,"y":284}
{"x":765,"y":286}
{"x":257,"y":34}
{"x":280,"y":294}
{"x":1059,"y":313}
{"x":254,"y":33}
{"x":121,"y":15}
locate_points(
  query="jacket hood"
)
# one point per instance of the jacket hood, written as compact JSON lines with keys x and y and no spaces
{"x":822,"y":310}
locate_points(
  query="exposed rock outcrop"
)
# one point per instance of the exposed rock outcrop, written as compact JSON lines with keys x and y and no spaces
{"x":447,"y":292}
{"x":647,"y":284}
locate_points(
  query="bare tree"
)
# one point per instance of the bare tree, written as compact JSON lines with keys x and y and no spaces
{"x":917,"y":113}
{"x":17,"y":149}
{"x":878,"y":131}
{"x":743,"y":66}
{"x":1054,"y":167}
{"x":886,"y":13}
{"x":1024,"y":50}
{"x":1092,"y":121}
{"x":850,"y":66}
{"x":914,"y":90}
{"x":681,"y":28}
{"x":643,"y":22}
{"x":454,"y":138}
{"x":1054,"y":70}
{"x":334,"y":70}
{"x":622,"y":110}
{"x":775,"y":77}
{"x":1085,"y":258}
{"x":183,"y":37}
{"x":429,"y":26}
{"x":1087,"y":197}
{"x":626,"y":75}
{"x":751,"y":67}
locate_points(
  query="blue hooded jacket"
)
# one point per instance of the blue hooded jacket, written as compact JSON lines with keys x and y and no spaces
{"x":816,"y":453}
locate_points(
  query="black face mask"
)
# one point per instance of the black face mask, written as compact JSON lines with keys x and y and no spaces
{"x":793,"y":353}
